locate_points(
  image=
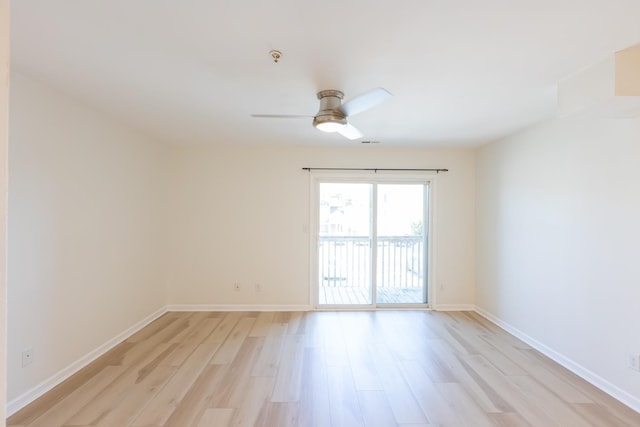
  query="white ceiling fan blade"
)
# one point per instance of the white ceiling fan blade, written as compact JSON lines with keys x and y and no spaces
{"x":364,"y":101}
{"x":281,"y":116}
{"x":350,"y":132}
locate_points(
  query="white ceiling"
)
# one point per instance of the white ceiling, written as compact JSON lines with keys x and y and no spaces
{"x":192,"y":71}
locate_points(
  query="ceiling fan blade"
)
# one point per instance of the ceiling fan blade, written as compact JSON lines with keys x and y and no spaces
{"x":365,"y":100}
{"x":281,"y":116}
{"x":350,"y":132}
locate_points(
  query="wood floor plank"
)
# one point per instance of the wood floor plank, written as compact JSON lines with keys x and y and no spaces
{"x":194,"y":319}
{"x":162,"y":406}
{"x":165,"y":333}
{"x":507,"y":366}
{"x":433,"y":404}
{"x":314,"y":407}
{"x":324,"y":369}
{"x":79,"y":398}
{"x":224,"y":328}
{"x":194,"y":404}
{"x":376,"y":409}
{"x":333,"y":340}
{"x":589,"y":390}
{"x":232,"y":388}
{"x":598,"y":415}
{"x":282,"y":317}
{"x":313,"y":330}
{"x":146,"y":367}
{"x":160,"y":324}
{"x":536,"y":369}
{"x":510,"y":393}
{"x":441,"y":326}
{"x":365,"y":376}
{"x":426,"y":321}
{"x":344,"y":406}
{"x":262,"y":324}
{"x":404,"y":405}
{"x":538,"y":395}
{"x":269,"y":359}
{"x":463,"y":405}
{"x":143,"y":348}
{"x":434,"y":365}
{"x":296,"y":323}
{"x":599,"y":397}
{"x":289,"y":376}
{"x":135,"y":398}
{"x":105,"y":401}
{"x":189,"y":342}
{"x":113,"y":394}
{"x":254,"y":406}
{"x":495,"y":330}
{"x":229,"y":349}
{"x":509,"y":419}
{"x":216,"y":417}
{"x":280,"y":414}
{"x":362,"y":361}
{"x":483,"y":394}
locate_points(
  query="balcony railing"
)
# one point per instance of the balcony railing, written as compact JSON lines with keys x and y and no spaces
{"x":345,"y":261}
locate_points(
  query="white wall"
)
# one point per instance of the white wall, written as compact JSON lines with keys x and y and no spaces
{"x":557,"y":248}
{"x":4,"y":144}
{"x":85,"y":231}
{"x":242,"y":215}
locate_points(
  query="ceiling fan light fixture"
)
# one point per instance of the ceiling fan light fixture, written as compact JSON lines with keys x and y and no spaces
{"x":330,"y":119}
{"x":332,"y":115}
{"x":330,"y":126}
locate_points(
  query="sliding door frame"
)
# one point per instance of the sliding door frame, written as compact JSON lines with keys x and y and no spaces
{"x":317,"y":177}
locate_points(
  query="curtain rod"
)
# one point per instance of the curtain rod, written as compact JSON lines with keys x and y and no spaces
{"x":375,"y":169}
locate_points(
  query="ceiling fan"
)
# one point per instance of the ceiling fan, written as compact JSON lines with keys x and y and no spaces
{"x":333,"y":114}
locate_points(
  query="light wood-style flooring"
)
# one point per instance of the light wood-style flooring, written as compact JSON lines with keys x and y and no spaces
{"x":325,"y":369}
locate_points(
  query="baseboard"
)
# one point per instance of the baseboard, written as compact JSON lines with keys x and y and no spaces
{"x":614,"y":391}
{"x":454,"y":307}
{"x":232,"y":307}
{"x":31,"y":395}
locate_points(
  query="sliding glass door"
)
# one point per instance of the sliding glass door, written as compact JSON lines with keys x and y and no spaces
{"x":344,"y":244}
{"x":401,"y":244}
{"x":371,"y":244}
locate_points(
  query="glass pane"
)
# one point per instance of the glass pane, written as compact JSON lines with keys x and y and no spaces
{"x":344,"y":244}
{"x":400,"y":277}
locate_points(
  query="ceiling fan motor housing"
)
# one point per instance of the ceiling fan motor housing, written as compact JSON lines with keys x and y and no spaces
{"x":330,"y":102}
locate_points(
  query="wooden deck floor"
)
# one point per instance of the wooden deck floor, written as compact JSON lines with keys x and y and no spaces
{"x":325,"y":369}
{"x":360,"y":296}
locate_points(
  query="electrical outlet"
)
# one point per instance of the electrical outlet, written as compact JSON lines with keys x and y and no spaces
{"x":236,"y":286}
{"x":27,"y":356}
